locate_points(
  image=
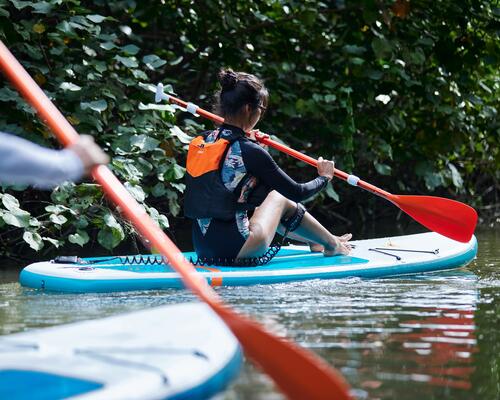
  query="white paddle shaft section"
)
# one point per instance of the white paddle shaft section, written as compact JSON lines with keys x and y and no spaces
{"x":353,"y":180}
{"x":192,"y":108}
{"x":160,"y":94}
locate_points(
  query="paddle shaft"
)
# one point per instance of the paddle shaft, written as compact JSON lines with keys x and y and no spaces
{"x":266,"y":140}
{"x":299,"y":373}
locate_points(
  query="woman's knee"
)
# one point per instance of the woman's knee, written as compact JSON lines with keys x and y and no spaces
{"x":275,"y":197}
{"x":281,"y":202}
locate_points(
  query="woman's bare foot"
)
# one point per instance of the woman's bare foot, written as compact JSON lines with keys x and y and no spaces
{"x":339,"y":246}
{"x":316,"y":247}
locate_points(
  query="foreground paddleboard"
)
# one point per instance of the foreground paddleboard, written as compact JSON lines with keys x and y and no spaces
{"x":179,"y":351}
{"x":373,"y":258}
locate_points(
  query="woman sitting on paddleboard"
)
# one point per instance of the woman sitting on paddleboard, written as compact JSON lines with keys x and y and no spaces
{"x":229,"y":174}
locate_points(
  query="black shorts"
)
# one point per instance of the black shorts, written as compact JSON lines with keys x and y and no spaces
{"x":222,"y":239}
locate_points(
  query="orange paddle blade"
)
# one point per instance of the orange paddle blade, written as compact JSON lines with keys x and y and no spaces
{"x":447,"y":217}
{"x":298,"y":373}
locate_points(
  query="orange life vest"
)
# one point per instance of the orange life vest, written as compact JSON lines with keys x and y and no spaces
{"x":206,"y":196}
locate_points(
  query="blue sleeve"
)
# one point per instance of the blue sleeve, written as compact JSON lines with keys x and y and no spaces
{"x":23,"y":162}
{"x":260,"y":164}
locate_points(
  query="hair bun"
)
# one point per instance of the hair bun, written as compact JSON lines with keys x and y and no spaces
{"x":228,"y":79}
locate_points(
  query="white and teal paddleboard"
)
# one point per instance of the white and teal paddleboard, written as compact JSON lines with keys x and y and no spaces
{"x":179,"y":351}
{"x":373,"y":258}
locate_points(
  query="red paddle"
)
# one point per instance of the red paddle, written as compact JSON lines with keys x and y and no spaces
{"x":299,"y":373}
{"x":448,"y":217}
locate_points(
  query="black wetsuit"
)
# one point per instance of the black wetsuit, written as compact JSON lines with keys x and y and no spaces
{"x":249,"y":169}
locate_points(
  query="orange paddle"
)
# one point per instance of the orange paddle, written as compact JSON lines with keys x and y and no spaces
{"x":298,"y":373}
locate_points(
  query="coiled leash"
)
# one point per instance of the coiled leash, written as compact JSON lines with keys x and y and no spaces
{"x":290,"y":224}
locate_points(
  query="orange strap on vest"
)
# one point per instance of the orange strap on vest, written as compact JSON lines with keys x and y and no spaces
{"x":205,"y":157}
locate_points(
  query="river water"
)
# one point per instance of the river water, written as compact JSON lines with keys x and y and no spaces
{"x":425,"y":337}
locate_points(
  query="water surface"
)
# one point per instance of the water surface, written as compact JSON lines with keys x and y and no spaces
{"x":430,"y":336}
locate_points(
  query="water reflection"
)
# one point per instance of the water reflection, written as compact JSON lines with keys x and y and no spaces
{"x":440,"y":348}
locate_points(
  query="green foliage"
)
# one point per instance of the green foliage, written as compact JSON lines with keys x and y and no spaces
{"x":94,"y":69}
{"x":386,"y":88}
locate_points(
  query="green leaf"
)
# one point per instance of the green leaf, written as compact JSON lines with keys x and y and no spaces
{"x":383,"y":169}
{"x":139,"y":74}
{"x":416,"y":56}
{"x":17,"y":217}
{"x":41,"y":7}
{"x":382,"y":48}
{"x":129,"y":62}
{"x":455,"y":176}
{"x":159,"y":190}
{"x":130,"y":49}
{"x":7,"y":94}
{"x":152,"y":61}
{"x":434,"y":180}
{"x":373,"y":74}
{"x":96,"y":18}
{"x":144,"y":143}
{"x":353,"y":49}
{"x":4,"y":13}
{"x":179,"y":134}
{"x":173,"y":203}
{"x":159,"y":107}
{"x":80,"y":238}
{"x":81,"y":222}
{"x":10,"y":202}
{"x":108,"y":239}
{"x":111,"y":234}
{"x":56,"y":208}
{"x":160,"y":219}
{"x":330,"y":192}
{"x":179,"y":186}
{"x":34,"y":240}
{"x":69,"y":86}
{"x":174,"y":172}
{"x":108,"y":45}
{"x":330,"y":98}
{"x":58,"y":219}
{"x":98,"y":105}
{"x":54,"y":242}
{"x":136,"y":191}
{"x":35,"y":223}
{"x":111,"y":222}
{"x":62,"y":193}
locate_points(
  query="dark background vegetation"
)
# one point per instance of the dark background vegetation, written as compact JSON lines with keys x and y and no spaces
{"x":404,"y":94}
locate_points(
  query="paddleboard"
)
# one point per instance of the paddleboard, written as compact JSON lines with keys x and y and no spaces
{"x":372,"y":258}
{"x":181,"y":351}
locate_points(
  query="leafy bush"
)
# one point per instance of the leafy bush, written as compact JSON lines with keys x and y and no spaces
{"x":403,"y":94}
{"x":91,"y":68}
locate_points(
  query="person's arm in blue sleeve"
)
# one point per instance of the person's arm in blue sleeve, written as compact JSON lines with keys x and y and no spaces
{"x":260,"y":164}
{"x":23,"y":162}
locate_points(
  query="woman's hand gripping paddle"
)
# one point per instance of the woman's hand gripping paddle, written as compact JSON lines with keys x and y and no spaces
{"x":448,"y":217}
{"x":297,"y":372}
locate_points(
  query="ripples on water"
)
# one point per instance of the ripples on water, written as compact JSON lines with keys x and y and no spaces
{"x":432,"y":336}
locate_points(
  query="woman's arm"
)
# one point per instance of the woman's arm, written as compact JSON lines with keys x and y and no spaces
{"x":260,"y":164}
{"x":23,"y":162}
